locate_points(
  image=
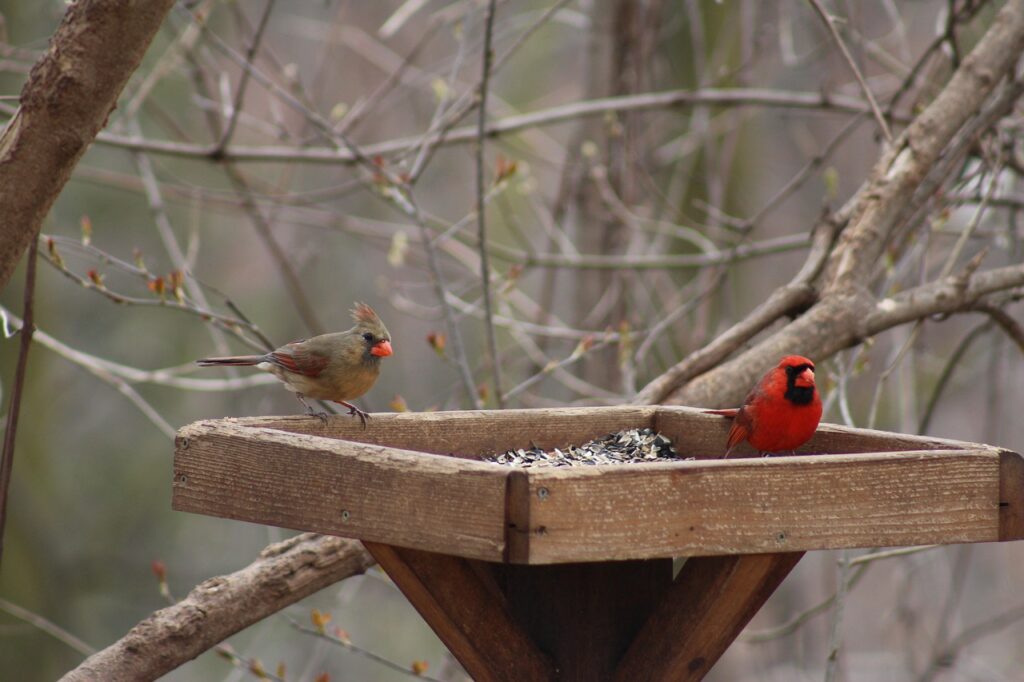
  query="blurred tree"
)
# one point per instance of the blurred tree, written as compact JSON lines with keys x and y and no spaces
{"x":673,"y":197}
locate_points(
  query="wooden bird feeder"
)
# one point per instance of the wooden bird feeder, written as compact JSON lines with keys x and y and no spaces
{"x":566,"y":573}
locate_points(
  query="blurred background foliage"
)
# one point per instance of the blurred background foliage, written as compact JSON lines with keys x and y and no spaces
{"x":90,"y":505}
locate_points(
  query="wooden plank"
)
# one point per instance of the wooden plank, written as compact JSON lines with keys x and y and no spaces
{"x":584,"y":616}
{"x":517,"y":518}
{"x":341,"y":488}
{"x":460,"y":601}
{"x":1011,"y":496}
{"x":710,"y":602}
{"x":763,"y":505}
{"x":470,"y":433}
{"x":695,"y":433}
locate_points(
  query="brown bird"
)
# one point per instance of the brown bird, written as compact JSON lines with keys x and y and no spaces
{"x":338,"y":367}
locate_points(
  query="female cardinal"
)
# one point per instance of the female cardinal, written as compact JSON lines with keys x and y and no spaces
{"x":337,"y":367}
{"x":780,"y":413}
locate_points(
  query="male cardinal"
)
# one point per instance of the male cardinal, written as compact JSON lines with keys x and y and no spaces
{"x":337,"y":367}
{"x":781,"y":413}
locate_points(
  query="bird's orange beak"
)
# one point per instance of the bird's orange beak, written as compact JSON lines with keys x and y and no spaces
{"x":382,"y":349}
{"x":805,"y":379}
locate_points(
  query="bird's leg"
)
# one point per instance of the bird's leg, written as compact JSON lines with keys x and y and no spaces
{"x":353,"y":410}
{"x":322,"y":416}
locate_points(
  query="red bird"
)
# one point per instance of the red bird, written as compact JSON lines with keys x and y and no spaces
{"x":781,"y":413}
{"x":337,"y":367}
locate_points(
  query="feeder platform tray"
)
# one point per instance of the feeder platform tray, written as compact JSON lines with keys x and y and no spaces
{"x":566,"y":573}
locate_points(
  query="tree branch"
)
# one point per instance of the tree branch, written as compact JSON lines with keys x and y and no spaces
{"x":219,"y":607}
{"x":481,"y":206}
{"x":837,"y":320}
{"x":725,"y":97}
{"x":949,"y":295}
{"x":66,"y":100}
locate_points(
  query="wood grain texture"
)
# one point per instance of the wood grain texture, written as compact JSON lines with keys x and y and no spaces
{"x":1011,"y":496}
{"x":584,"y":616}
{"x":760,"y":505}
{"x":710,"y":602}
{"x":243,"y":469}
{"x":695,"y":433}
{"x":341,"y":488}
{"x":461,"y":602}
{"x":470,"y":433}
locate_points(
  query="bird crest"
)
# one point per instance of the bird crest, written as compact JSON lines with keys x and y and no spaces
{"x":364,"y":313}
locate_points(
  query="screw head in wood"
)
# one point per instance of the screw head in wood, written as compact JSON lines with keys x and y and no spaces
{"x":345,"y":515}
{"x":542,"y":493}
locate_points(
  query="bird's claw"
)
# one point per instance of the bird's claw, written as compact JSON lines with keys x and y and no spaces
{"x":363,"y":416}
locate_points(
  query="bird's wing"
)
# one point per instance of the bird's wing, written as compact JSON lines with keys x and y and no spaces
{"x":742,"y":425}
{"x":298,"y":357}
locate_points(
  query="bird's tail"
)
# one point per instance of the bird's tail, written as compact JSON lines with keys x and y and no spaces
{"x":232,"y":360}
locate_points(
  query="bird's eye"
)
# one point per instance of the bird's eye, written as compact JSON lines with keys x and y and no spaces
{"x":368,"y":336}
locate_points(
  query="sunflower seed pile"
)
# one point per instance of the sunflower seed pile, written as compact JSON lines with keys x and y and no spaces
{"x":630,"y":446}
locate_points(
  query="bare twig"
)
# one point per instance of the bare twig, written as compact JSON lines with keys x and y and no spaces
{"x":44,"y":625}
{"x":163,"y":226}
{"x":283,"y":574}
{"x":797,"y":621}
{"x":968,"y":637}
{"x":797,"y":294}
{"x":947,"y":372}
{"x":223,"y":322}
{"x":831,"y":25}
{"x":891,"y":554}
{"x":14,"y":406}
{"x":1010,"y":325}
{"x":481,"y":206}
{"x":441,"y":291}
{"x":835,"y":635}
{"x":293,"y":284}
{"x":809,"y":101}
{"x":365,"y":653}
{"x":243,"y":83}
